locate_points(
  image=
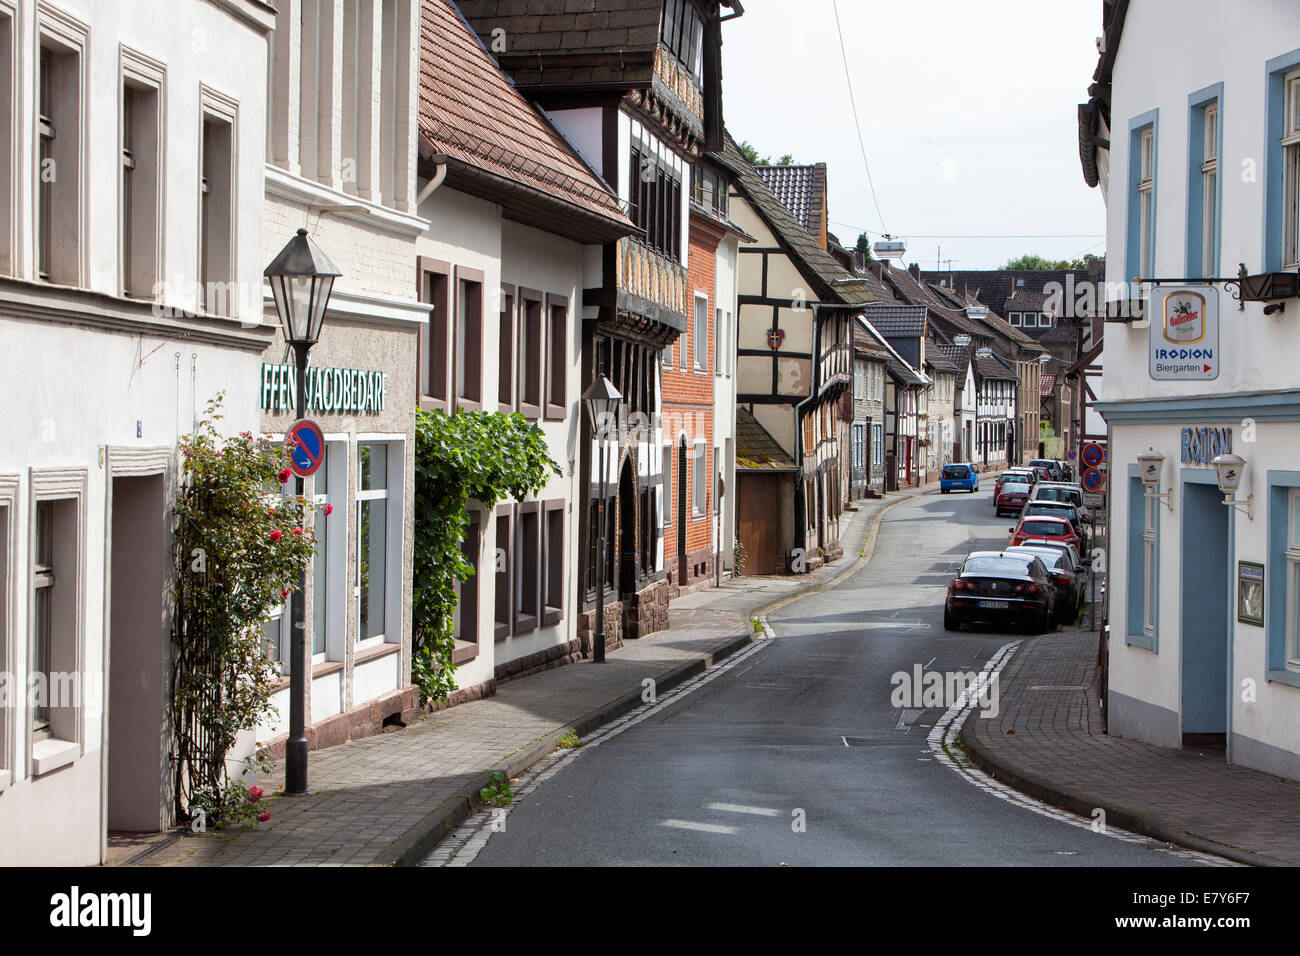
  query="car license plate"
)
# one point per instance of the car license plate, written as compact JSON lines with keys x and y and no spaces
{"x":995,"y":605}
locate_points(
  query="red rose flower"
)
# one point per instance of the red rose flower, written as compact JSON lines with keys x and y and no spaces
{"x":284,"y":593}
{"x":254,"y":794}
{"x":284,"y":475}
{"x":264,"y":816}
{"x":297,"y":530}
{"x":328,"y":510}
{"x":275,"y":535}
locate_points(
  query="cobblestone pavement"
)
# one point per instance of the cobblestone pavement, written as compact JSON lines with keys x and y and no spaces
{"x":1047,"y":740}
{"x":386,"y":800}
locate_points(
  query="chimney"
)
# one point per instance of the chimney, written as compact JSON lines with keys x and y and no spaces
{"x":876,"y":269}
{"x":915,"y":270}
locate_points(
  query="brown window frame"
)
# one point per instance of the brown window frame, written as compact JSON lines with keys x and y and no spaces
{"x":504,"y":628}
{"x":527,"y":574}
{"x":433,"y":286}
{"x":557,"y":358}
{"x":471,"y":547}
{"x":531,"y":351}
{"x":468,"y":287}
{"x":551,"y":565}
{"x":507,"y":333}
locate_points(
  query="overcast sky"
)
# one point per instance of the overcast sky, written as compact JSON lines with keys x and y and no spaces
{"x":967,"y":110}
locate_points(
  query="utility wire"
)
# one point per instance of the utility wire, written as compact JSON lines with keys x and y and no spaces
{"x":857,"y":124}
{"x":997,"y":235}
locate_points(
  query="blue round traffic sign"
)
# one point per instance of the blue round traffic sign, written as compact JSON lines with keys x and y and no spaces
{"x":308,"y":447}
{"x":1093,"y":480}
{"x":1093,"y":454}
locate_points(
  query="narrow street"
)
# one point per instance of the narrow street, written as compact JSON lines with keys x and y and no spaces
{"x":804,"y":729}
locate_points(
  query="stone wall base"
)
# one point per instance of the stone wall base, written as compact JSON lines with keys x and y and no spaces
{"x":535,"y":663}
{"x":700,"y":567}
{"x":364,"y":721}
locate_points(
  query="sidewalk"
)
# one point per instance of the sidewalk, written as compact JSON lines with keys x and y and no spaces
{"x":1047,"y":741}
{"x":387,"y":800}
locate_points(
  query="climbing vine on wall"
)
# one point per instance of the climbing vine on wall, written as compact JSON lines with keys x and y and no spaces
{"x":460,"y":457}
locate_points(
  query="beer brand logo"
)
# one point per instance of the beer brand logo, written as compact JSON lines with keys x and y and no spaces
{"x":1184,"y":318}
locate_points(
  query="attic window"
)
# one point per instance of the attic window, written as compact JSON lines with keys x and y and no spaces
{"x":1020,"y":283}
{"x":682,"y":31}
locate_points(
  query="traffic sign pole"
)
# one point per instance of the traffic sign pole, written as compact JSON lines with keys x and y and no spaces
{"x":295,"y":748}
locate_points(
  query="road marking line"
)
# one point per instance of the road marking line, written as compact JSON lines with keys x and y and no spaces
{"x":742,"y":808}
{"x":461,"y":847}
{"x":845,"y":739}
{"x":702,"y":827}
{"x":943,"y":741}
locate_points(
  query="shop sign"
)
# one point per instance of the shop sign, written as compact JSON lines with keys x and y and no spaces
{"x":328,"y":389}
{"x":1200,"y":446}
{"x":1184,"y":333}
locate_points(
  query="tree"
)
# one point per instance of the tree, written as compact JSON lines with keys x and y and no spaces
{"x":1033,"y":263}
{"x":751,"y":155}
{"x":863,"y":246}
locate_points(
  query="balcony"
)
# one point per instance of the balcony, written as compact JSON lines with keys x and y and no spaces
{"x":647,"y":278}
{"x":679,"y":81}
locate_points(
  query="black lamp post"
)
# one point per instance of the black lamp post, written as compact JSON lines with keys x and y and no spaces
{"x":602,"y":400}
{"x":302,"y":278}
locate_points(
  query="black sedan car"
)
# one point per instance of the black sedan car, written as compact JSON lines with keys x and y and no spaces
{"x":1001,"y":587}
{"x":1067,"y":580}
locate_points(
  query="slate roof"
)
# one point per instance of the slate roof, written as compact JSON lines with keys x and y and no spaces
{"x":496,"y":144}
{"x":993,"y":367}
{"x":895,"y":320}
{"x":832,"y":282}
{"x":550,"y":43}
{"x":755,"y":446}
{"x":905,"y":374}
{"x":936,"y":359}
{"x":801,"y":188}
{"x":994,"y":324}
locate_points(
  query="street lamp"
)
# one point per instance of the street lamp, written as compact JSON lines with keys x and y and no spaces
{"x":602,"y":400}
{"x":1150,"y":464}
{"x":301,"y":278}
{"x":1228,"y":470}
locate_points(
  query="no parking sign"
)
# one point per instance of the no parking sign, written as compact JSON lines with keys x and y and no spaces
{"x":308,"y":447}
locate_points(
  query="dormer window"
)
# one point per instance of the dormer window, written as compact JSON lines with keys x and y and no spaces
{"x":682,"y":31}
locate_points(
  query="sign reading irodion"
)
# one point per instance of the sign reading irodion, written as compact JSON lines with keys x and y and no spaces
{"x":328,"y":389}
{"x":1184,"y":335}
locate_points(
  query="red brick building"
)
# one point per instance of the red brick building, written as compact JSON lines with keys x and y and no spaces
{"x":689,"y":468}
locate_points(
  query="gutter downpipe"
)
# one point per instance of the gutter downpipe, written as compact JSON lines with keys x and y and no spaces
{"x":439,"y":175}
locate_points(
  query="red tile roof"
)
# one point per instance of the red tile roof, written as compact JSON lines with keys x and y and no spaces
{"x":495,"y":141}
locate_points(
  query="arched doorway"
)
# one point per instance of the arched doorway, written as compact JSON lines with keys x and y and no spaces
{"x":681,"y":511}
{"x":627,"y":549}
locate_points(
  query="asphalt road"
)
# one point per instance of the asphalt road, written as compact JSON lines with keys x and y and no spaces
{"x":724,"y":775}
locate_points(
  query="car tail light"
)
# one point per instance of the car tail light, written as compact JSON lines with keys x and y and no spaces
{"x":1025,"y":589}
{"x":1062,"y":579}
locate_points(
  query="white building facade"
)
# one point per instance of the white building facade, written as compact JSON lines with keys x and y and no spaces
{"x":130,"y":293}
{"x":1204,"y":174}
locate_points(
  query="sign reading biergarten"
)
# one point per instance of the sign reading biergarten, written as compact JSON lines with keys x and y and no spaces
{"x":1184,"y":333}
{"x":328,"y":389}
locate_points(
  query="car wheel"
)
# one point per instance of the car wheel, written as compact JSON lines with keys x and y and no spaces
{"x":950,"y":622}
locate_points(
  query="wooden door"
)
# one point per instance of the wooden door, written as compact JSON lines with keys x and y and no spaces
{"x":758,"y":513}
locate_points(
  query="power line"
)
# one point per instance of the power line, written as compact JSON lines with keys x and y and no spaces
{"x":857,"y":124}
{"x":1000,"y":235}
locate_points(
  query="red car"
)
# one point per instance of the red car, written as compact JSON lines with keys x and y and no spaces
{"x":1043,"y":527}
{"x":1011,"y":496}
{"x":1013,"y":474}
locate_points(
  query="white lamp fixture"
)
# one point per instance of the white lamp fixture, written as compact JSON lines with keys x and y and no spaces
{"x":1229,"y":469}
{"x":1150,"y":465}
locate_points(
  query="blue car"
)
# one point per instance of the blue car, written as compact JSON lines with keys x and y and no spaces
{"x":960,"y":477}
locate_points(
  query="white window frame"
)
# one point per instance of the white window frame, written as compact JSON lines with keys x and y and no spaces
{"x":1149,"y":582}
{"x":1209,"y":187}
{"x":394,"y":530}
{"x":1293,"y":581}
{"x":700,"y":324}
{"x":1291,"y":172}
{"x":57,"y":486}
{"x":1145,"y":198}
{"x":1013,"y":318}
{"x":336,"y":549}
{"x":699,"y":489}
{"x":148,"y":76}
{"x":878,"y":443}
{"x":66,"y":36}
{"x":220,"y":108}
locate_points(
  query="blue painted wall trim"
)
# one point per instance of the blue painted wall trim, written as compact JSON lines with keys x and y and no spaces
{"x":1196,"y":104}
{"x":1279,"y":485}
{"x":1281,"y":405}
{"x":1275,"y":71}
{"x":1133,"y":251}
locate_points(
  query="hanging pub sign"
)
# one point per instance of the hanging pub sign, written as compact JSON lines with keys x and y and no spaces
{"x":1184,"y":333}
{"x":336,"y":390}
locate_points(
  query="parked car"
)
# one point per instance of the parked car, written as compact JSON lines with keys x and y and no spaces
{"x":1070,"y":551}
{"x":996,"y":587}
{"x":1054,"y":472}
{"x":1066,"y":578}
{"x":959,"y":477}
{"x":1059,"y":509}
{"x":1011,"y":498}
{"x":1025,"y":475}
{"x":1041,"y":473}
{"x":1067,"y":471}
{"x":1042,"y":526}
{"x":1061,"y":491}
